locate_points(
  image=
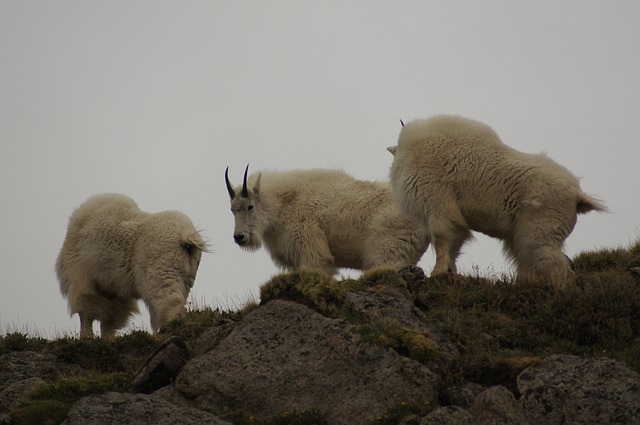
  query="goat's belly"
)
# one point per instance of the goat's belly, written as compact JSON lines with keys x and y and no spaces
{"x":492,"y":223}
{"x":347,"y":250}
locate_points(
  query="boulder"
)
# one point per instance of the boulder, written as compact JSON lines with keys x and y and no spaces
{"x":462,"y":394}
{"x":448,"y":415}
{"x":569,"y":389}
{"x":287,"y":357}
{"x":12,"y":393}
{"x":23,"y":371}
{"x":497,"y":406}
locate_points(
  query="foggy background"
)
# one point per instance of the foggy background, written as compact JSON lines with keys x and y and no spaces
{"x":154,"y":99}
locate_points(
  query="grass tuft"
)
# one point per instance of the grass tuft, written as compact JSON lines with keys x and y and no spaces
{"x":317,"y":291}
{"x":18,"y":341}
{"x":408,"y":342}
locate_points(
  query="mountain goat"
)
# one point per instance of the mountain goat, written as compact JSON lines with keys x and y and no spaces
{"x":322,"y":220}
{"x":455,"y":175}
{"x":115,"y":254}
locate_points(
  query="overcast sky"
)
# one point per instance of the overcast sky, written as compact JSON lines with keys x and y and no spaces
{"x":154,"y":99}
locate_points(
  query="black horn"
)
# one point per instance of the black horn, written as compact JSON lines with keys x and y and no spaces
{"x":402,"y":122}
{"x":232,"y":194}
{"x":245,"y":192}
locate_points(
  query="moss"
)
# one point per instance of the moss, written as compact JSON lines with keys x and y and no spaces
{"x":386,"y":332}
{"x":383,"y":276}
{"x":323,"y":293}
{"x":49,"y":403}
{"x":421,"y":348}
{"x":40,"y":412}
{"x":193,"y":323}
{"x":317,"y":291}
{"x":408,"y":342}
{"x":74,"y":388}
{"x":353,"y":285}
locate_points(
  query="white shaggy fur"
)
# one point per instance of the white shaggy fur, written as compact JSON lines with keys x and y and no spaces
{"x":115,"y":254}
{"x":324,"y":219}
{"x":455,"y":175}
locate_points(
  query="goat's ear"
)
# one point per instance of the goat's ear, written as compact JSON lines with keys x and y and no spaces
{"x":256,"y":186}
{"x":392,"y":149}
{"x":194,"y":241}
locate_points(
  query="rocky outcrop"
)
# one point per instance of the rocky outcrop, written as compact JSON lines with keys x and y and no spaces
{"x":568,"y":389}
{"x":21,"y":372}
{"x":285,"y":357}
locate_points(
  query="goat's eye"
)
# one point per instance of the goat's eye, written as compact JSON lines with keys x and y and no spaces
{"x":188,"y":247}
{"x":250,"y":207}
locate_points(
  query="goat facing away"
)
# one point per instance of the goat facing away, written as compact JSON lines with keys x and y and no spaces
{"x":455,"y":175}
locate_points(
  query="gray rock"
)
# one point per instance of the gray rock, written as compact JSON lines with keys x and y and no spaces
{"x":134,"y":409}
{"x":162,"y":367}
{"x":10,"y":395}
{"x":497,"y":406}
{"x":463,"y":394}
{"x":20,"y":365}
{"x":389,"y":304}
{"x":569,"y":389}
{"x":285,"y":356}
{"x":22,"y":371}
{"x":212,"y":338}
{"x":449,"y":415}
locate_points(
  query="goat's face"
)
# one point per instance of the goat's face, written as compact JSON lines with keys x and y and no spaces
{"x":247,"y":212}
{"x":174,"y":249}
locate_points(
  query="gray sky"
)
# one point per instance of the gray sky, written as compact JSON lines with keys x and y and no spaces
{"x":154,"y":99}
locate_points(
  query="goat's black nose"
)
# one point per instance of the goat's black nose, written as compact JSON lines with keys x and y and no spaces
{"x":238,"y":237}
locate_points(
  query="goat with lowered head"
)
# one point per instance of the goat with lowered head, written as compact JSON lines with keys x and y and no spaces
{"x":322,"y":220}
{"x":455,"y":175}
{"x":115,"y":254}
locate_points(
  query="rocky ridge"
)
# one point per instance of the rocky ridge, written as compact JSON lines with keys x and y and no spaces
{"x":376,"y":360}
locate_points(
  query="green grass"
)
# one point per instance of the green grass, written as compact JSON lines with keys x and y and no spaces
{"x":498,"y":327}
